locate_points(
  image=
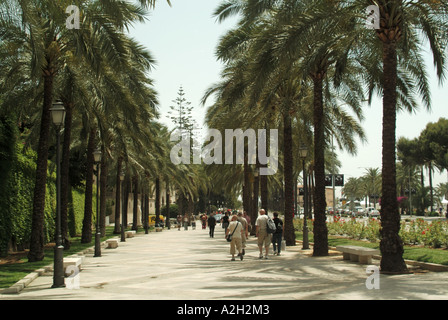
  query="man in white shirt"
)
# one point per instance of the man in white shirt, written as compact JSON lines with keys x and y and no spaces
{"x":262,"y":234}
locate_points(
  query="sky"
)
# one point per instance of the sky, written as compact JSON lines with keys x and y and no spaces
{"x":183,"y":38}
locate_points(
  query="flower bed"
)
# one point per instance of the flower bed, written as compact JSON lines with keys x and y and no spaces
{"x":419,"y":231}
{"x":352,"y":228}
{"x":414,"y":232}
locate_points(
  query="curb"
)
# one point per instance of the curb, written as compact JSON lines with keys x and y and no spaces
{"x":23,"y":283}
{"x":434,"y":267}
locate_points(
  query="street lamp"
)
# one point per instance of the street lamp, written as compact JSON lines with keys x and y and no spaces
{"x":123,"y":238}
{"x":97,"y":159}
{"x":58,"y":116}
{"x":303,"y":152}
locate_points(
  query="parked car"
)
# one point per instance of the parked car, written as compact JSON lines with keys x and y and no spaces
{"x":373,"y":213}
{"x":359,"y":212}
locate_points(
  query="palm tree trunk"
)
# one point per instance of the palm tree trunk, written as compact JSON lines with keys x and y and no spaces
{"x":391,"y":245}
{"x":157,"y":202}
{"x":320,"y":227}
{"x":36,"y":252}
{"x":117,"y":221}
{"x":65,"y":178}
{"x":431,"y":189}
{"x":134,"y":213}
{"x":247,"y":193}
{"x":264,"y":191}
{"x":256,"y":186}
{"x":146,"y":222}
{"x":103,"y":192}
{"x":168,"y":200}
{"x":289,"y":233}
{"x":126,"y":191}
{"x":86,"y":236}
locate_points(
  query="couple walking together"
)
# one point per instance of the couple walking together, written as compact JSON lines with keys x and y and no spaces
{"x":238,"y":229}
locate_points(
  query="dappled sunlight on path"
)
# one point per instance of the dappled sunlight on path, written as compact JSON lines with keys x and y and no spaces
{"x":189,"y":265}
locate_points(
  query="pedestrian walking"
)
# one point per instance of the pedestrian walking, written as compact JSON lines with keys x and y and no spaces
{"x":225,"y":221}
{"x":193,"y":221}
{"x":179,"y":221}
{"x":278,"y":235}
{"x":247,"y":217}
{"x":245,"y":231}
{"x":204,"y":220}
{"x":264,"y":238}
{"x":235,"y":230}
{"x":185,"y":222}
{"x":211,"y":225}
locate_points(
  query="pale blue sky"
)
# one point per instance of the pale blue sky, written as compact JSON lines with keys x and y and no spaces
{"x":183,"y":38}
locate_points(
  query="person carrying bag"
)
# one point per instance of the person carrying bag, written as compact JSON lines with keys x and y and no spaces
{"x":234,"y":236}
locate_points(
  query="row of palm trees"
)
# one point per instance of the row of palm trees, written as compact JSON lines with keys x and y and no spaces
{"x":101,"y":75}
{"x":366,"y":186}
{"x":308,"y":67}
{"x":410,"y":185}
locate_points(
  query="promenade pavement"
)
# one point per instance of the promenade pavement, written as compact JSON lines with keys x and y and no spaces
{"x":189,"y":265}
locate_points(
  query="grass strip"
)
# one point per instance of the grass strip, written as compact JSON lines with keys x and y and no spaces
{"x":416,"y":253}
{"x":12,"y":272}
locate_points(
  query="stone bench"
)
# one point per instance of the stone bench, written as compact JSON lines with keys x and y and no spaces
{"x":70,"y":262}
{"x":112,"y":243}
{"x":358,"y":254}
{"x":130,"y":233}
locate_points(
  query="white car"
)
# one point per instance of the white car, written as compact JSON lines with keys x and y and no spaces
{"x":373,"y":213}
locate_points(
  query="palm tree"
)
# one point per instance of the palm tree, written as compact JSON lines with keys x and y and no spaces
{"x":354,"y":188}
{"x":51,"y":44}
{"x":401,"y":25}
{"x":372,"y":181}
{"x":287,"y":41}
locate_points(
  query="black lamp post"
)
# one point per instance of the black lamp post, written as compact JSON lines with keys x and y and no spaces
{"x":58,"y":117}
{"x":97,"y":158}
{"x":123,"y":238}
{"x":303,"y":152}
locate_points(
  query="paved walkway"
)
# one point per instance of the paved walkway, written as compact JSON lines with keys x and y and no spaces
{"x":189,"y":265}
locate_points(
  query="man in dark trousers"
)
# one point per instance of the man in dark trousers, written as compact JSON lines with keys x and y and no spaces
{"x":211,"y":225}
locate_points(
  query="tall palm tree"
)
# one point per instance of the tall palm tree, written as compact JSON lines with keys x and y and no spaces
{"x":372,"y":182}
{"x":288,"y":42}
{"x":51,"y":45}
{"x":402,"y":24}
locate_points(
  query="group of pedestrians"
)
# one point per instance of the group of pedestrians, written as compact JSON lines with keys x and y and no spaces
{"x":238,"y":229}
{"x":186,"y":220}
{"x":237,"y":226}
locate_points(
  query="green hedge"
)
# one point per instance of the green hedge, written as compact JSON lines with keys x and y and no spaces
{"x":76,"y":211}
{"x":8,"y":135}
{"x":17,"y":176}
